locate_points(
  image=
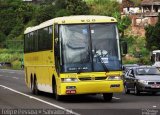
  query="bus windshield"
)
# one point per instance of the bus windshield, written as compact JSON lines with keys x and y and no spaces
{"x":85,"y":46}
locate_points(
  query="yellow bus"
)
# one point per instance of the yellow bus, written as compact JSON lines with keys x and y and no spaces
{"x":74,"y":55}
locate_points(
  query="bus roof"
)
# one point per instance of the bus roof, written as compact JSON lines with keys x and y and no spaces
{"x":156,"y":51}
{"x":72,"y":20}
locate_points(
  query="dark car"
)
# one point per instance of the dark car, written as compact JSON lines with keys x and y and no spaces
{"x":142,"y":79}
{"x":125,"y":67}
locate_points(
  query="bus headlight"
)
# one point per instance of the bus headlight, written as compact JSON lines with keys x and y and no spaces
{"x":114,"y":78}
{"x":69,"y":79}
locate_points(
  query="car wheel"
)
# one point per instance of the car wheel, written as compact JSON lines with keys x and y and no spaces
{"x":107,"y":96}
{"x":154,"y":92}
{"x":136,"y":91}
{"x":127,"y":91}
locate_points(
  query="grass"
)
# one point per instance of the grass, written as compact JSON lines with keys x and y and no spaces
{"x":11,"y":56}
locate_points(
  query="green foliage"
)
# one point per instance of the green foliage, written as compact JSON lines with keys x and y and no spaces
{"x":62,"y":12}
{"x":44,"y":13}
{"x":104,"y":7}
{"x":137,"y":48}
{"x":17,"y":30}
{"x":2,"y":38}
{"x":77,"y":7}
{"x":133,"y":61}
{"x":60,"y":4}
{"x":123,"y":22}
{"x":7,"y":19}
{"x":16,"y":64}
{"x":153,"y":36}
{"x":12,"y":57}
{"x":25,"y":12}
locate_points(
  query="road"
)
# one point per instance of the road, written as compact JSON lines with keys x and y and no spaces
{"x":16,"y":98}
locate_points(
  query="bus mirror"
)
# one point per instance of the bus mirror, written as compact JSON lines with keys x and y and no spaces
{"x":124,"y":48}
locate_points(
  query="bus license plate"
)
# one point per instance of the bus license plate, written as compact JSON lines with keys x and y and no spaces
{"x":70,"y":91}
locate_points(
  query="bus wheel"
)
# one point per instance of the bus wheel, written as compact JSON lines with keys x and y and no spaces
{"x":107,"y":96}
{"x":34,"y":88}
{"x":57,"y":97}
{"x":54,"y":87}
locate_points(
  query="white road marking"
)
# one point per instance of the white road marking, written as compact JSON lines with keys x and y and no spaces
{"x":48,"y":103}
{"x":116,"y":98}
{"x":15,"y":77}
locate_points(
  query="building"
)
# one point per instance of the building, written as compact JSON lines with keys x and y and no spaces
{"x":144,"y":14}
{"x":150,"y":6}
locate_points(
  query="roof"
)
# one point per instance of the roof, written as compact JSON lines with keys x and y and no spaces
{"x":143,"y":66}
{"x":150,"y":2}
{"x":72,"y":20}
{"x":156,"y":51}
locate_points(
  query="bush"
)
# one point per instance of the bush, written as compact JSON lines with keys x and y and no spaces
{"x":11,"y":57}
{"x":137,"y":47}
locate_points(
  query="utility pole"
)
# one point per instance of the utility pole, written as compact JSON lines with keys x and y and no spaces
{"x":152,"y":6}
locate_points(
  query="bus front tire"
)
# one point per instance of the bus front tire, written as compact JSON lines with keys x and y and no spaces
{"x":107,"y":96}
{"x":57,"y":97}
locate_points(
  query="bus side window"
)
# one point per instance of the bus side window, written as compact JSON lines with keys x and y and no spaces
{"x":56,"y":40}
{"x":153,"y":58}
{"x":158,"y":56}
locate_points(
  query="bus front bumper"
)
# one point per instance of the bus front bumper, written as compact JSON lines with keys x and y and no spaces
{"x":90,"y":87}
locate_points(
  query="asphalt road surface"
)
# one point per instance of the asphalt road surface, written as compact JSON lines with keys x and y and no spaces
{"x":16,"y":98}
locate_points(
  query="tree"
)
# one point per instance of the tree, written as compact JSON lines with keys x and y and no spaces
{"x":25,"y":12}
{"x":153,"y":36}
{"x":2,"y":39}
{"x":44,"y":13}
{"x":77,"y":7}
{"x":123,"y":22}
{"x":104,"y":7}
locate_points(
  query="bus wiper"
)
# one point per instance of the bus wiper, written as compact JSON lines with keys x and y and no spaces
{"x":102,"y":62}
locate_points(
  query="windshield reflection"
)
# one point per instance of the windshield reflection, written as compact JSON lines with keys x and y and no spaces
{"x":82,"y":43}
{"x":147,"y":71}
